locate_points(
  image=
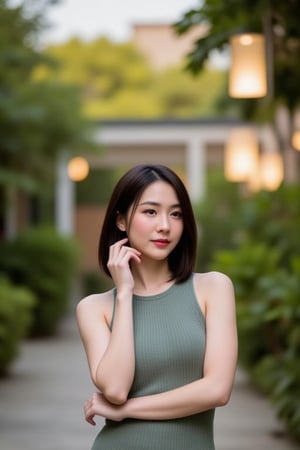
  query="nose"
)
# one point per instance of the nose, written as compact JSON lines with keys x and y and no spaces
{"x":163,"y":222}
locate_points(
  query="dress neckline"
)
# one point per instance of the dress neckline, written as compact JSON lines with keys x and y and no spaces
{"x":155,"y":296}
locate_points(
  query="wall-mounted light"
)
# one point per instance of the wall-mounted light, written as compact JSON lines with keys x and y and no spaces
{"x":241,"y":153}
{"x":248,"y":69}
{"x":78,"y":168}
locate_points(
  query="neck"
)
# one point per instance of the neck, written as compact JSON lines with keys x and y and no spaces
{"x":151,"y":278}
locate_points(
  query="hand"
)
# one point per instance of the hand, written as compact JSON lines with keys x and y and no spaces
{"x":97,"y":405}
{"x":119,"y":267}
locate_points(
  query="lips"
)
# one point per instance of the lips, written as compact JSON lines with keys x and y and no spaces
{"x":160,"y":242}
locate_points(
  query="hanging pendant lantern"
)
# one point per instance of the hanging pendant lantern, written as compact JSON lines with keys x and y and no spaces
{"x":271,"y":171}
{"x":296,"y":132}
{"x":248,"y":71}
{"x":296,"y":140}
{"x":78,"y":168}
{"x":241,"y":153}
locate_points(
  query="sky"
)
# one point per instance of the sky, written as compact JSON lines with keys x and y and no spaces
{"x":88,"y":19}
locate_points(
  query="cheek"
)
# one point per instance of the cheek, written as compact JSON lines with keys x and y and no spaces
{"x":139,"y":225}
{"x":179,"y":229}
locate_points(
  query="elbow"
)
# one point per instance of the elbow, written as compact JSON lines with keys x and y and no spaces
{"x":115,"y":397}
{"x":114,"y":394}
{"x":222,"y":397}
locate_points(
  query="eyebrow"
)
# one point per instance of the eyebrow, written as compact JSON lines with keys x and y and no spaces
{"x":176,"y":205}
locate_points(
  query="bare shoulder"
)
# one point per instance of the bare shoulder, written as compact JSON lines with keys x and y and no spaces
{"x":95,"y":304}
{"x":214,"y":288}
{"x":213,"y":280}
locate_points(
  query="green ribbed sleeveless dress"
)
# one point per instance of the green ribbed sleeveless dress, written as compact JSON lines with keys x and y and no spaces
{"x":169,"y":331}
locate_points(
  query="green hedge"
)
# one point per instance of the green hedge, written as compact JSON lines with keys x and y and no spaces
{"x":46,"y":263}
{"x":16,"y":305}
{"x":268,"y":311}
{"x":255,"y":239}
{"x":94,"y":282}
{"x":216,"y":217}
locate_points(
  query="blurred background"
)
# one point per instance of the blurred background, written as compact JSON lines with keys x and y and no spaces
{"x":209,"y":88}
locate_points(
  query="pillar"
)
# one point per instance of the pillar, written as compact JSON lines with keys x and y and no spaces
{"x":64,"y":197}
{"x":195,"y":166}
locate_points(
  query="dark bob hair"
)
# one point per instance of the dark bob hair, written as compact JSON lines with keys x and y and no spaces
{"x":127,"y":193}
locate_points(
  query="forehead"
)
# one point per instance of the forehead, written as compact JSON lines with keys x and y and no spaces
{"x":161,"y":192}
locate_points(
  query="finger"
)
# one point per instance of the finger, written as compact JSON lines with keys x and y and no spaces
{"x":119,"y":243}
{"x":124,"y":250}
{"x":89,"y":415}
{"x":90,"y":420}
{"x":123,"y":256}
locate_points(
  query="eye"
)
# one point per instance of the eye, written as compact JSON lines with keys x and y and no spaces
{"x":177,"y":214}
{"x":150,"y":212}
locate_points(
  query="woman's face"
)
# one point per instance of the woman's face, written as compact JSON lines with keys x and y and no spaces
{"x":156,"y":225}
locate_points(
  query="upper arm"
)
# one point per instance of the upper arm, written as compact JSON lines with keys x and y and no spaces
{"x":221,"y":331}
{"x":93,"y":328}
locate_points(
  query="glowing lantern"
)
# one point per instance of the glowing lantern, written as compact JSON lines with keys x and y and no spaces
{"x":78,"y":169}
{"x":271,"y":170}
{"x":248,"y":71}
{"x":241,"y":154}
{"x":296,"y":140}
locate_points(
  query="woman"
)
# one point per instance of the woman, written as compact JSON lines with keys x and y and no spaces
{"x":162,"y":345}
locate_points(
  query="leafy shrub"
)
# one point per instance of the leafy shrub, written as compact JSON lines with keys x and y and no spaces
{"x":46,"y":263}
{"x":93,"y":283}
{"x":16,"y":305}
{"x":268,"y":312}
{"x":272,"y":218}
{"x":216,"y":217}
{"x":256,"y":242}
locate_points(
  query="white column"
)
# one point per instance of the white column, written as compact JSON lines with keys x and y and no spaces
{"x":64,"y":197}
{"x":195,"y":166}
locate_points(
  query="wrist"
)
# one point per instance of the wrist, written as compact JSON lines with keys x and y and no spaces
{"x":124,"y":295}
{"x":127,"y":410}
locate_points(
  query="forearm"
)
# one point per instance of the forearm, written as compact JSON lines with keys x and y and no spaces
{"x":192,"y":398}
{"x":115,"y":371}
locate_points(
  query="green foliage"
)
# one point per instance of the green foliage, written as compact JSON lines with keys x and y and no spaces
{"x":225,"y":19}
{"x":279,"y":378}
{"x":135,"y":91}
{"x":183,"y":96}
{"x":94,"y":283}
{"x":230,"y":17}
{"x":37,"y":119}
{"x":265,"y":269}
{"x":216,"y":217}
{"x":273,"y":218}
{"x":247,"y":266}
{"x":111,"y":77}
{"x":16,"y":305}
{"x":45,"y":263}
{"x":40,"y":119}
{"x":268,"y":313}
{"x":96,"y":189}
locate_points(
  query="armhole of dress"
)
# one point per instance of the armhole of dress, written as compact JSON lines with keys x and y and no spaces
{"x":196,"y":302}
{"x":114,"y":308}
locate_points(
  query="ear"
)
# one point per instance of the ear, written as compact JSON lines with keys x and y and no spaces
{"x":120,"y":222}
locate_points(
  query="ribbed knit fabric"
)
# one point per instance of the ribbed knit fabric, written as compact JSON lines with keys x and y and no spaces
{"x":169,"y":331}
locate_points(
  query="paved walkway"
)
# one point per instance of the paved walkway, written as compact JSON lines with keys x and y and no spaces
{"x":41,"y":403}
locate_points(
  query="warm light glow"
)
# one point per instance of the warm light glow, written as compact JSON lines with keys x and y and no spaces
{"x":296,"y":140}
{"x":248,"y":71}
{"x":246,"y":39}
{"x":254,"y":181}
{"x":241,"y":154}
{"x":271,"y":171}
{"x":78,"y":169}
